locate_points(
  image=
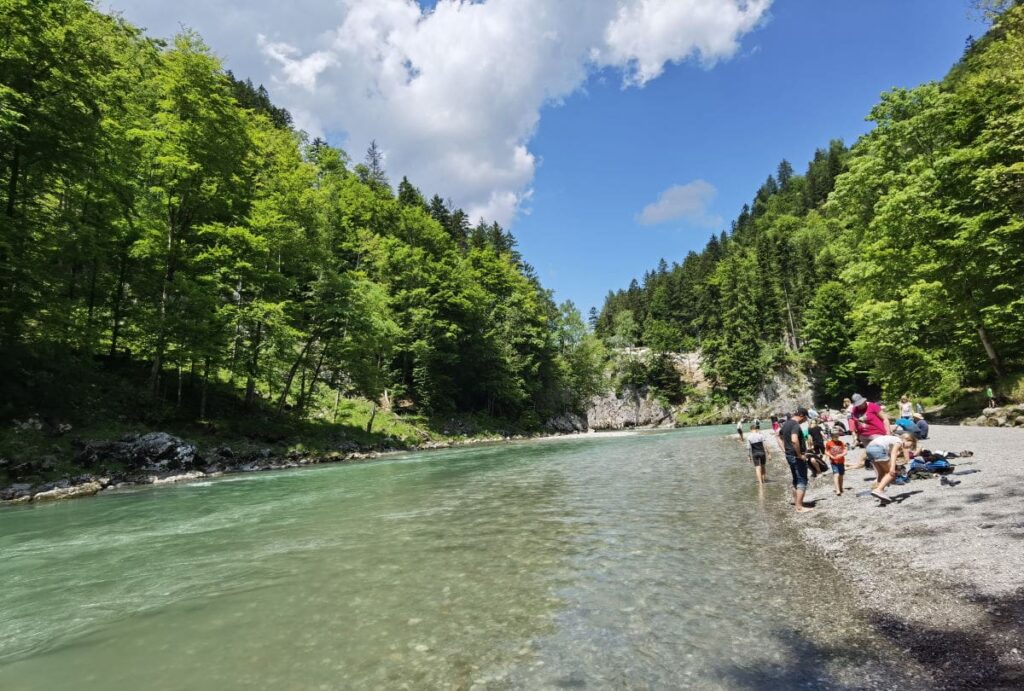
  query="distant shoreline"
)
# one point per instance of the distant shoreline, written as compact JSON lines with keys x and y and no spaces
{"x":93,"y":484}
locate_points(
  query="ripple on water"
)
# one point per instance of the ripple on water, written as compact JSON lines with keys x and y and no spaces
{"x":646,"y":560}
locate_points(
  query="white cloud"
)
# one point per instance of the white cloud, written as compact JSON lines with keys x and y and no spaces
{"x":689,"y":202}
{"x":452,"y":95}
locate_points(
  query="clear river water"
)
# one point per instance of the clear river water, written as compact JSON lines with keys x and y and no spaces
{"x":644,"y":561}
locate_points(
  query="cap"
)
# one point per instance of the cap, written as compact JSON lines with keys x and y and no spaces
{"x":802,"y":412}
{"x":858,"y":400}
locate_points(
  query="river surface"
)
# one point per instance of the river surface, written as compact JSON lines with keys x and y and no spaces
{"x":645,"y":561}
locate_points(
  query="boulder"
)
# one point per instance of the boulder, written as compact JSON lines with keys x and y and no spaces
{"x":156,"y":451}
{"x":16,"y":491}
{"x":567,"y":422}
{"x":84,"y":490}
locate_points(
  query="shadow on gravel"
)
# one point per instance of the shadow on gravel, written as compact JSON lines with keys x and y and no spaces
{"x":987,"y":654}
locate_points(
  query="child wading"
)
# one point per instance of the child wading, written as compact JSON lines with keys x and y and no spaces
{"x":758,"y":451}
{"x":836,"y":452}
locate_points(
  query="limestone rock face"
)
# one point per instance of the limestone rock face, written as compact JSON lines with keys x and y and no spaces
{"x":635,"y":409}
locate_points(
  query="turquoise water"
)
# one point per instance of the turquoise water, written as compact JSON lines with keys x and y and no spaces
{"x":646,"y":561}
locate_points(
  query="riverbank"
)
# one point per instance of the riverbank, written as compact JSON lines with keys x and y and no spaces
{"x":222,"y":462}
{"x":940,"y":571}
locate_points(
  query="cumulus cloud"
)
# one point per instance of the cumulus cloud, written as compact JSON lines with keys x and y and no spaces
{"x":689,"y":202}
{"x":453,"y":94}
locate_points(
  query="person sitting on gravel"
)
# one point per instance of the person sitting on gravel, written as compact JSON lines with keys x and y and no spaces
{"x":835,"y":449}
{"x":817,"y":437}
{"x":883,"y":452}
{"x":920,"y":426}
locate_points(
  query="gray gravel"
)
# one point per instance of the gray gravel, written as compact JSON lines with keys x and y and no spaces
{"x":941,"y":569}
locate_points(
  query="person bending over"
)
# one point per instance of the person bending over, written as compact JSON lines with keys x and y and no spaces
{"x":883,"y":452}
{"x":795,"y":449}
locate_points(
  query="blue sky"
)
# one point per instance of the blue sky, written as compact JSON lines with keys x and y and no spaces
{"x":565,"y":119}
{"x":810,"y":74}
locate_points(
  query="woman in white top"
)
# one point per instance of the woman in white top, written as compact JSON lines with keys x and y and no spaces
{"x":906,"y":407}
{"x":883,"y":452}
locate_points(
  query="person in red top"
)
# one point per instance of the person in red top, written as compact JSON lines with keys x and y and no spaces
{"x":866,"y":420}
{"x":835,"y":449}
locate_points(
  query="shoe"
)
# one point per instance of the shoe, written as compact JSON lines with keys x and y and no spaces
{"x":881,"y":496}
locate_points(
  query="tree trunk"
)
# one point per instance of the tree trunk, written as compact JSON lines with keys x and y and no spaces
{"x":165,"y":289}
{"x":306,"y":396}
{"x":178,"y":401}
{"x":92,"y":292}
{"x":792,"y":322}
{"x":250,"y":384}
{"x":122,"y":278}
{"x":373,"y":415}
{"x":202,"y":396}
{"x":337,"y":400}
{"x":291,"y":372}
{"x":12,"y":182}
{"x":990,"y":351}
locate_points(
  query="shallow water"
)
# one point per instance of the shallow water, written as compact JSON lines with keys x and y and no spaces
{"x":649,"y":561}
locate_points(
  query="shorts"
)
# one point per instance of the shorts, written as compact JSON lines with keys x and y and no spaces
{"x":838,"y":468}
{"x":758,"y":459}
{"x":877,"y":453}
{"x":798,"y":468}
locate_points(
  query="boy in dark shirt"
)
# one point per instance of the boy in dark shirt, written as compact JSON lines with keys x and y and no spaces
{"x":793,"y":445}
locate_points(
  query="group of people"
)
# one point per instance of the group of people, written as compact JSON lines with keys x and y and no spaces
{"x":813,"y":441}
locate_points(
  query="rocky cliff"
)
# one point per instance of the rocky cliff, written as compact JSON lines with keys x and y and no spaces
{"x":782,"y":392}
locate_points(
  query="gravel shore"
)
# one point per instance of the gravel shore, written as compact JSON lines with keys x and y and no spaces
{"x":940,"y":569}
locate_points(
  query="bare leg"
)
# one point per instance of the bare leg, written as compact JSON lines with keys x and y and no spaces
{"x":839,"y":482}
{"x":885,"y":476}
{"x":798,"y":501}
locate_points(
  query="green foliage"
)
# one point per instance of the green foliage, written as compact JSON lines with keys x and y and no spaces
{"x":895,"y":263}
{"x":156,"y":208}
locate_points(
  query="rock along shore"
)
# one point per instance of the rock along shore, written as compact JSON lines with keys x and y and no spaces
{"x":159,"y":458}
{"x":940,"y":571}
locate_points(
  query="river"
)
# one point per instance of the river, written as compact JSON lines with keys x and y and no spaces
{"x":645,"y":561}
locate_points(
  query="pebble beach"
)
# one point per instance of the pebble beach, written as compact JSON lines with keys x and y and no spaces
{"x":940,"y":570}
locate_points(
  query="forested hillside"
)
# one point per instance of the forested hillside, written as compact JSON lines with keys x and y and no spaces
{"x":897,"y":263}
{"x":157,"y":213}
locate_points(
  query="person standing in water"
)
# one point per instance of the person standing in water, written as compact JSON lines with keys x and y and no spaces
{"x":794,"y":446}
{"x":758,"y":451}
{"x":739,"y":428}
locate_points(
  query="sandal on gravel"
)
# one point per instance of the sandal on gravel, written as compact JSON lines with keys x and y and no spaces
{"x":881,"y":496}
